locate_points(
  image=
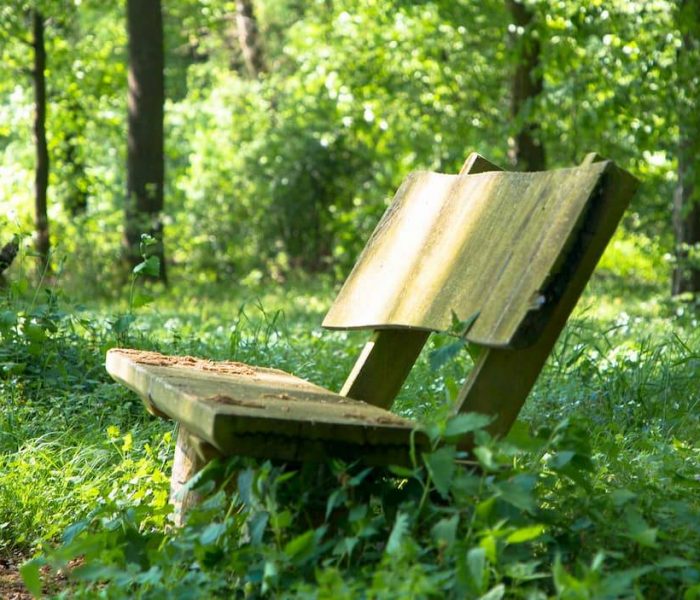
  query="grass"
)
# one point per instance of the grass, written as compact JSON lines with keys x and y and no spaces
{"x":594,"y":495}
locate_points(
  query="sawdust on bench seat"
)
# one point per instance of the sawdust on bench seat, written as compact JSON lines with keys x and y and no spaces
{"x":156,"y":359}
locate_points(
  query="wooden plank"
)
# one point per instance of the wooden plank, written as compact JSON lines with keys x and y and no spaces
{"x":383,"y":365}
{"x":502,"y":378}
{"x":191,"y":455}
{"x":488,"y":244}
{"x":228,"y":404}
{"x":387,"y":359}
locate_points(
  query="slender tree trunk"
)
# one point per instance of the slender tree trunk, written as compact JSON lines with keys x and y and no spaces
{"x":145,"y":160}
{"x":41,"y":175}
{"x":527,"y":152}
{"x":249,"y":38}
{"x":686,"y":201}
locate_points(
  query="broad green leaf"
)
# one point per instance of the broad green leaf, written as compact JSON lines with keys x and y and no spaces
{"x":360,"y":477}
{"x":301,"y":547}
{"x":402,"y":471}
{"x":357,"y":513}
{"x":31,"y":576}
{"x":281,"y":520}
{"x":673,"y":562}
{"x":211,"y":533}
{"x":75,"y":529}
{"x":398,"y":532}
{"x":141,"y":299}
{"x":34,"y":333}
{"x":518,"y":491}
{"x":441,"y":466}
{"x":619,"y":583}
{"x":495,"y":593}
{"x":489,"y":545}
{"x":485,"y":457}
{"x":257,"y":525}
{"x":445,"y":531}
{"x":466,"y":422}
{"x":525,"y":534}
{"x":152,"y":577}
{"x":8,"y":319}
{"x":150,"y":267}
{"x":622,"y":496}
{"x":561,"y":459}
{"x":520,"y":437}
{"x":336,"y":498}
{"x":639,"y":530}
{"x":245,"y":486}
{"x":122,"y":323}
{"x":478,"y":570}
{"x":270,"y":572}
{"x":441,"y":356}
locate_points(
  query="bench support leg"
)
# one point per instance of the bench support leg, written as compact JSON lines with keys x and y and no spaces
{"x":191,"y":456}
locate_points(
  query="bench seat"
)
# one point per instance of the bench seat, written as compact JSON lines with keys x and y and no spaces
{"x":261,"y":412}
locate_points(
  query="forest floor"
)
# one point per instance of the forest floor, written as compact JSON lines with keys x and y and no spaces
{"x":11,"y":585}
{"x":596,"y":489}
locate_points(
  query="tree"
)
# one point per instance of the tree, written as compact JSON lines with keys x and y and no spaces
{"x":8,"y":252}
{"x":249,"y":37}
{"x":41,"y":180}
{"x":686,"y":203}
{"x":527,"y":84}
{"x":145,"y":160}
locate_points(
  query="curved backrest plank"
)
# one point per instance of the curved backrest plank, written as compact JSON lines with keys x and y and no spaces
{"x":494,"y":246}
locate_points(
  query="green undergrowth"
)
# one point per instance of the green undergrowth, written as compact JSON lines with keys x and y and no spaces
{"x":595,"y":494}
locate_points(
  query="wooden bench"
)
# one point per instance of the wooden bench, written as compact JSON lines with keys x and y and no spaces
{"x":510,"y":251}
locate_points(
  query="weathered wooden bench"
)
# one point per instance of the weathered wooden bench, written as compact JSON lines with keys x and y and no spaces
{"x":511,"y":251}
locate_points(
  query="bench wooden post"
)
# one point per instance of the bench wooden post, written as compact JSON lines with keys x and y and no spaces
{"x":191,"y":456}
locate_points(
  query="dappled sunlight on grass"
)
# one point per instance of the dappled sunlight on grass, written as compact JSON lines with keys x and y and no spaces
{"x":619,"y":392}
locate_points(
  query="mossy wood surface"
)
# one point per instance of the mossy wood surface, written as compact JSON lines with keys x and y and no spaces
{"x":502,"y":378}
{"x":387,"y":358}
{"x":490,"y":244}
{"x":240,"y":409}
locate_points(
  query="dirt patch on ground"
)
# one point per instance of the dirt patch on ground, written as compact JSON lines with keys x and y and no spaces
{"x":11,"y":585}
{"x":156,"y":359}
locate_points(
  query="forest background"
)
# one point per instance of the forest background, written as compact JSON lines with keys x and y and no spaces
{"x":288,"y":125}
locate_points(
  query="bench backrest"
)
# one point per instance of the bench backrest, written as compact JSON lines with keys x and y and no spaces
{"x":494,"y":247}
{"x":510,"y":252}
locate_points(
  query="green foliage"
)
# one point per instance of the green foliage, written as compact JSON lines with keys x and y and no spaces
{"x":430,"y":531}
{"x":294,"y":168}
{"x":592,"y":495}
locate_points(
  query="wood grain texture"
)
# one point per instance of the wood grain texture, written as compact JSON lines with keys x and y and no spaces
{"x":191,"y":455}
{"x":277,"y":411}
{"x":487,"y":244}
{"x":387,"y":359}
{"x":502,"y":378}
{"x":383,"y":365}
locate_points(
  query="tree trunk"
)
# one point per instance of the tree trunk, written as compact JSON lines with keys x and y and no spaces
{"x":686,"y":201}
{"x":145,"y":160}
{"x":249,"y":38}
{"x":41,"y":174}
{"x":76,"y":200}
{"x":527,"y":152}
